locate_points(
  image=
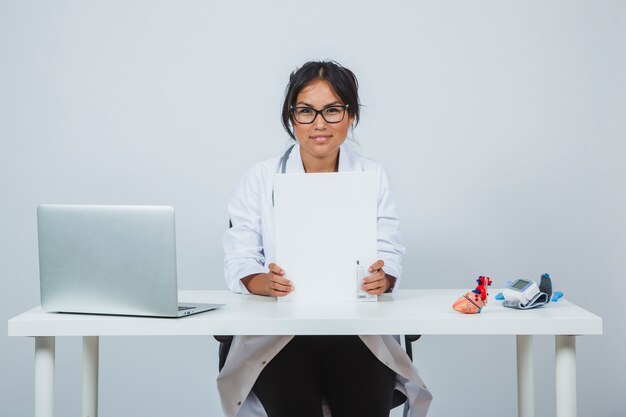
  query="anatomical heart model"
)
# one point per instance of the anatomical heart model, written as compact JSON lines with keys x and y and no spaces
{"x":475,"y":300}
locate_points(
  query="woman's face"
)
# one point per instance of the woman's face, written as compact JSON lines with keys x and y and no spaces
{"x":320,"y":139}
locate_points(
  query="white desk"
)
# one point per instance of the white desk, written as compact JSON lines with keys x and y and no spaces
{"x":425,"y":312}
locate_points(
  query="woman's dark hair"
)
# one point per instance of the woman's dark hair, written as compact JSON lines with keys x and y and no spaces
{"x":341,"y":79}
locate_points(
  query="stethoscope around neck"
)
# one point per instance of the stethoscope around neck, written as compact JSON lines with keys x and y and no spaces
{"x":282,"y":166}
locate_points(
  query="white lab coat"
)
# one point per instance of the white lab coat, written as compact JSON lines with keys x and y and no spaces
{"x":249,"y":247}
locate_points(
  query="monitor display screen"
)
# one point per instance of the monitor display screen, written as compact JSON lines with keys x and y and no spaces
{"x":520,"y":284}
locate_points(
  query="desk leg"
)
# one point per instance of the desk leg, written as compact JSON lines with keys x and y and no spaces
{"x":91,"y":350}
{"x":44,"y":376}
{"x":565,"y":376}
{"x":525,"y":393}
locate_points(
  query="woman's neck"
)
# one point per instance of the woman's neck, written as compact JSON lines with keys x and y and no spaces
{"x":313,"y":164}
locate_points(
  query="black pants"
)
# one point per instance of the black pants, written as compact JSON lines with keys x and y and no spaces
{"x":340,"y":369}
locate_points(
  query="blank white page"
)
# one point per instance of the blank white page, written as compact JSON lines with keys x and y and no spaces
{"x":325,"y":229}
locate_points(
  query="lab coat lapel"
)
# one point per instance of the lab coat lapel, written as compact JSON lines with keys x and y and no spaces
{"x":347,"y":161}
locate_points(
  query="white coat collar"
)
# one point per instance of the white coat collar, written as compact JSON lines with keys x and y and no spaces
{"x":347,"y":160}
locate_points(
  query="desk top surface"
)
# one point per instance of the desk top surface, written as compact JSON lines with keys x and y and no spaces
{"x":426,"y":312}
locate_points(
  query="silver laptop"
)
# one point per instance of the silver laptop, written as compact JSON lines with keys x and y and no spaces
{"x":110,"y":260}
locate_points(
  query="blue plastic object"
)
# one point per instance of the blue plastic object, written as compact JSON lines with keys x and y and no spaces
{"x":556,"y":296}
{"x":499,"y":296}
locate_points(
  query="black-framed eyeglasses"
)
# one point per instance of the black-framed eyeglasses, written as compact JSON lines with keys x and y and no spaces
{"x":307,"y":115}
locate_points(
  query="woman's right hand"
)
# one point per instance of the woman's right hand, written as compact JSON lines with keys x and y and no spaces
{"x":271,"y":283}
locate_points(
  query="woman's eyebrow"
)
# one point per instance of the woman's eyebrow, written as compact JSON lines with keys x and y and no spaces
{"x":334,"y":103}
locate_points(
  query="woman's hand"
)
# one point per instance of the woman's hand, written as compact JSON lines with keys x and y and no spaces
{"x":271,"y":283}
{"x":378,"y":283}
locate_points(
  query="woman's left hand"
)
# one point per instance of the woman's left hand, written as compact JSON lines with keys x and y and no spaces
{"x":379,"y":282}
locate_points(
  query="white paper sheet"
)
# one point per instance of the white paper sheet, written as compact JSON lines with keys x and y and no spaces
{"x":325,"y":230}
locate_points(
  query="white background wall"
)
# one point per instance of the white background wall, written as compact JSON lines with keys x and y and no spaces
{"x":501,"y":124}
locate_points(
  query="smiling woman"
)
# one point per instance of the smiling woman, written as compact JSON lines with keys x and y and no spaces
{"x":341,"y":81}
{"x":320,"y":137}
{"x":294,"y":376}
{"x":318,"y":97}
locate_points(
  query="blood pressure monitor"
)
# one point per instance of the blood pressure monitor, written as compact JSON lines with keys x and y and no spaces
{"x":521,"y":290}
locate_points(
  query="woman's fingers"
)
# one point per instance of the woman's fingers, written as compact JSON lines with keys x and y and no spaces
{"x":377,"y":283}
{"x":276,"y":269}
{"x":278,"y":285}
{"x":377,"y":265}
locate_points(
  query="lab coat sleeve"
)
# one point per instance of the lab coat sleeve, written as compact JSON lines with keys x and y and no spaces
{"x":243,"y":242}
{"x":390,"y":248}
